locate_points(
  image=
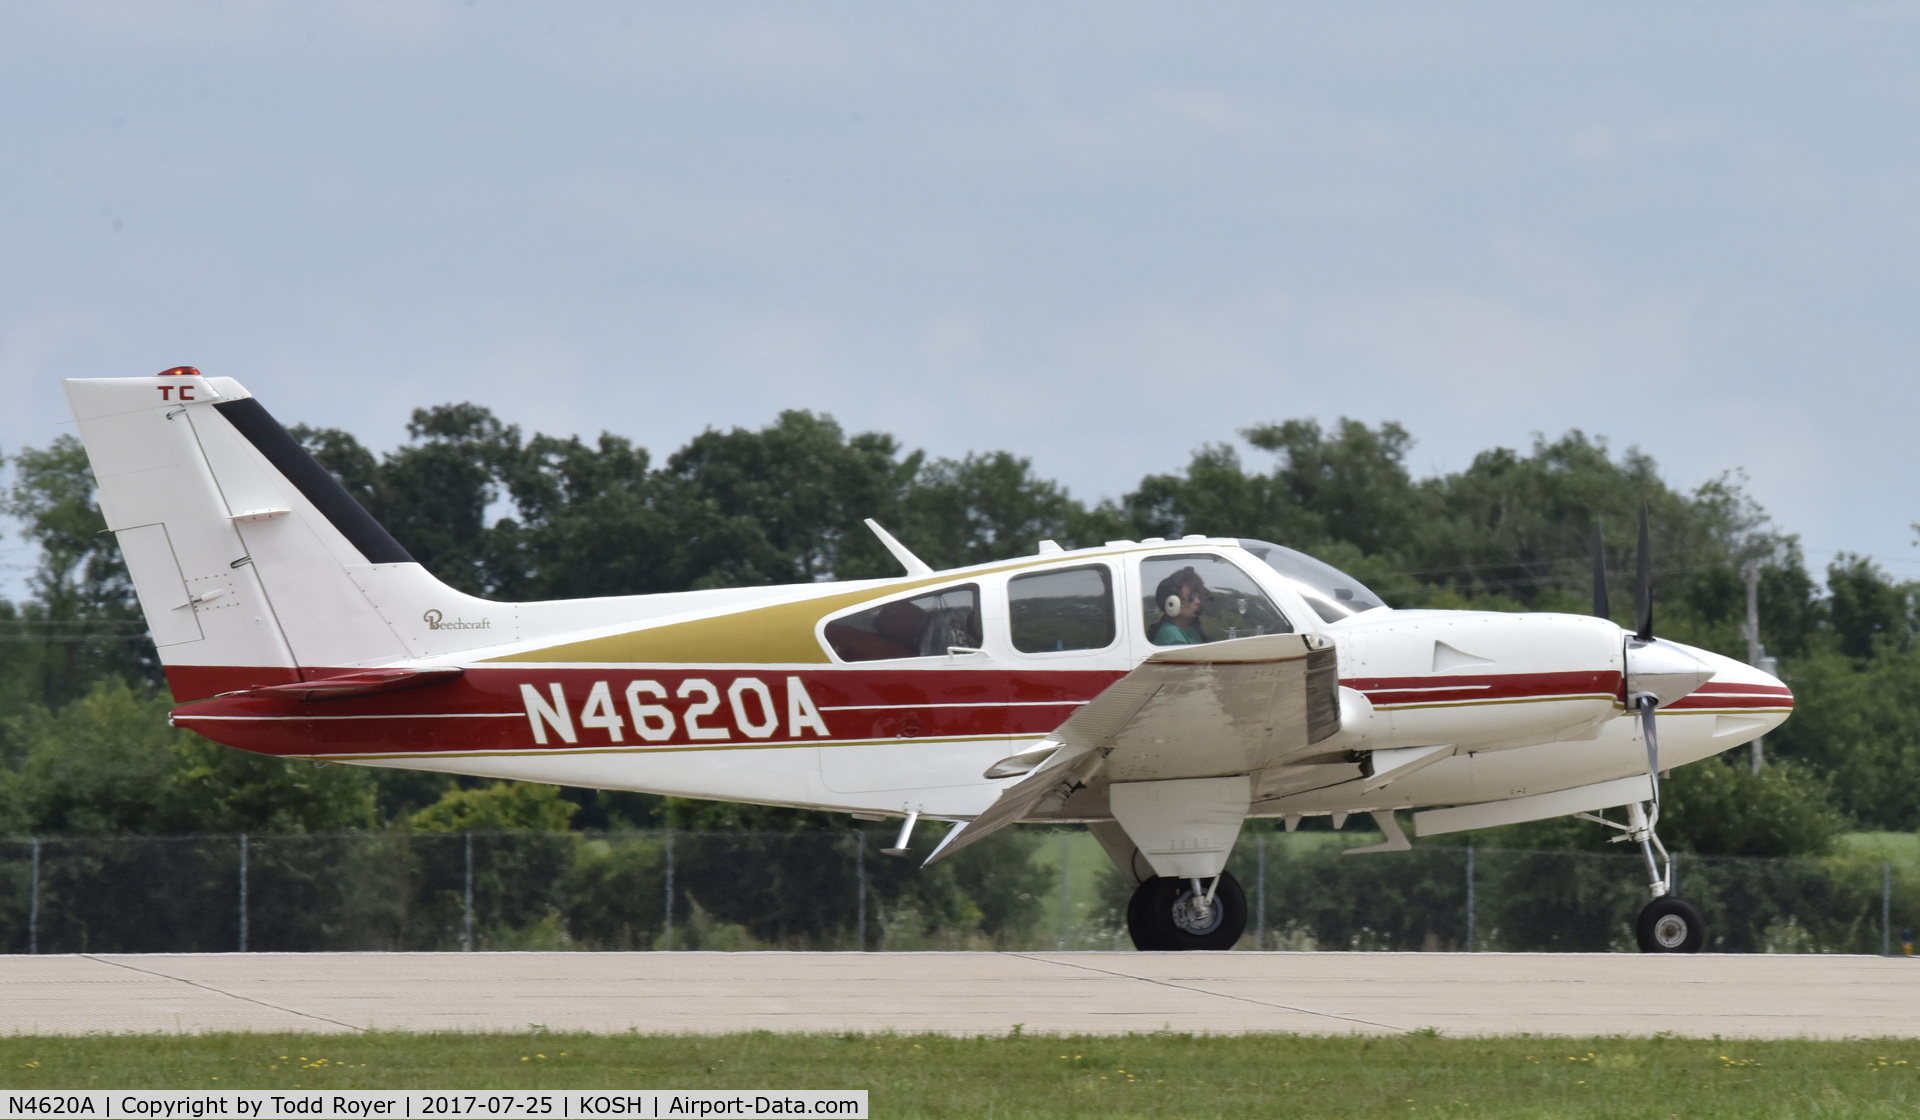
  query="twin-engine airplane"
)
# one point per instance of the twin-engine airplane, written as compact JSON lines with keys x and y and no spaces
{"x":1160,"y":692}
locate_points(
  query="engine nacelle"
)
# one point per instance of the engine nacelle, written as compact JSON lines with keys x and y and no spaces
{"x":1478,"y":680}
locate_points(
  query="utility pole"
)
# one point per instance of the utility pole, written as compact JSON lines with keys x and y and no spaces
{"x":1756,"y":653}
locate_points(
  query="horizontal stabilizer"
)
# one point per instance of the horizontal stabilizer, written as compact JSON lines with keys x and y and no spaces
{"x":366,"y":683}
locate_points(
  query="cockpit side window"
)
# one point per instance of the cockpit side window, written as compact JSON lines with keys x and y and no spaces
{"x":1194,"y":599}
{"x":1063,"y":609}
{"x":923,"y":626}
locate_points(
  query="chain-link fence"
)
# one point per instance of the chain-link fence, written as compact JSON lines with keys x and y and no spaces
{"x":1021,"y":889}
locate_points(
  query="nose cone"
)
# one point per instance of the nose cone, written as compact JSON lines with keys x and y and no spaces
{"x":1747,"y":701}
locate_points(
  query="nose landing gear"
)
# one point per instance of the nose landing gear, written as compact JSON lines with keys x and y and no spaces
{"x":1167,"y":913}
{"x":1667,"y":924}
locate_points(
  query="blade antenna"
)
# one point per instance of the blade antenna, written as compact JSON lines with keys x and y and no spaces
{"x":1601,"y":608}
{"x":915,"y":566}
{"x":1643,"y":581}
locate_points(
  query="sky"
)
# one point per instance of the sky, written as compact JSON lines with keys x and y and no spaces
{"x":1096,"y":235}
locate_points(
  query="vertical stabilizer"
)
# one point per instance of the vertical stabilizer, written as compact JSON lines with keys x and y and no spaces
{"x":242,"y":548}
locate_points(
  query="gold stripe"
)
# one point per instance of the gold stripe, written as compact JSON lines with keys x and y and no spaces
{"x":1582,"y":696}
{"x":778,"y":633}
{"x":749,"y":745}
{"x":1504,"y":700}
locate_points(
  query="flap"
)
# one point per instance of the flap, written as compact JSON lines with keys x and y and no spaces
{"x":1214,"y":710}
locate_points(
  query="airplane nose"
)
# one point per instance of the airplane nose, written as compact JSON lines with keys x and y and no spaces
{"x":1747,"y":700}
{"x":1760,"y":686}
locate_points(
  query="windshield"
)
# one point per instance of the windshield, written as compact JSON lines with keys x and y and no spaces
{"x":1332,"y":593}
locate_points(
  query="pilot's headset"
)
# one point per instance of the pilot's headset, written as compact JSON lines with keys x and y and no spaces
{"x":1169,"y":590}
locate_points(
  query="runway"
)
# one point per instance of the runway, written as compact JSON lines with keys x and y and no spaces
{"x":967,"y":993}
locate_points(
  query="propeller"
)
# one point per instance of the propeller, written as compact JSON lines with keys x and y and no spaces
{"x":1643,"y":581}
{"x":1600,"y":607}
{"x":1658,"y":672}
{"x":1643,"y":635}
{"x":1649,"y":705}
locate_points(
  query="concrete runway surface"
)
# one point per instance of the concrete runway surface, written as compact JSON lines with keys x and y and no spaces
{"x":967,"y":993}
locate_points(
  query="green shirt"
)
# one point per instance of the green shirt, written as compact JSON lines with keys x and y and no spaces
{"x":1171,"y":633}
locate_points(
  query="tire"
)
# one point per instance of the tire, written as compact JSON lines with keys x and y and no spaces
{"x":1144,"y":934}
{"x":1670,"y":925}
{"x":1159,"y":916}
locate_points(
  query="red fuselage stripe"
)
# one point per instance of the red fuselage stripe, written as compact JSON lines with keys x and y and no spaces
{"x":494,"y":708}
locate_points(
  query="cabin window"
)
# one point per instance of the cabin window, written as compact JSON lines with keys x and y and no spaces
{"x":1064,"y":609}
{"x":923,"y":626}
{"x":1193,"y":599}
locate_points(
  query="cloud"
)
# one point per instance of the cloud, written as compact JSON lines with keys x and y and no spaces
{"x":955,"y":336}
{"x":1487,"y":343}
{"x":1600,"y":143}
{"x":1211,"y":111}
{"x":1149,"y":350}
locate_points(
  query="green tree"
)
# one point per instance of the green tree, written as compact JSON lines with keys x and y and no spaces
{"x":1354,"y":482}
{"x":1719,"y":806}
{"x":590,"y":523}
{"x":433,"y":494}
{"x":82,"y":620}
{"x":1858,"y":722}
{"x":1323,"y":489}
{"x":785,"y":504}
{"x":499,"y":806}
{"x":1522,"y":525}
{"x":109,"y":764}
{"x":1868,"y":611}
{"x":984,"y":507}
{"x":1713,"y":807}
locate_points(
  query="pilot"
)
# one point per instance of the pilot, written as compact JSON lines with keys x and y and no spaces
{"x":1181,"y":597}
{"x":903,"y":624}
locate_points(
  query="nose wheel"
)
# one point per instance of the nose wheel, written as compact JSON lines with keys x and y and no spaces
{"x":1667,"y":924}
{"x":1670,"y":925}
{"x":1174,"y":914}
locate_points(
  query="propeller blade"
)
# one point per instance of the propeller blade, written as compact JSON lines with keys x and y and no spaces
{"x":1643,"y":581}
{"x":1601,"y":609}
{"x":1649,"y":705}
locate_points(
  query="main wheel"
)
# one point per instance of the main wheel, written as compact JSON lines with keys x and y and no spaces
{"x":1670,"y":925}
{"x":1162,"y":915}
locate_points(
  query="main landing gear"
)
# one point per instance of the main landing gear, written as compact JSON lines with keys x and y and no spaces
{"x":1170,"y":913}
{"x":1667,"y":924}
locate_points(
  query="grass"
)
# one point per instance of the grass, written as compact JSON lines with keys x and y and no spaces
{"x":1162,"y":1075}
{"x":1902,"y":849}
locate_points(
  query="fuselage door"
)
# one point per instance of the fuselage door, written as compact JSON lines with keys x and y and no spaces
{"x":917,"y":701}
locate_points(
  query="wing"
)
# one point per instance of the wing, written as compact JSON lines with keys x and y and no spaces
{"x":1205,"y":711}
